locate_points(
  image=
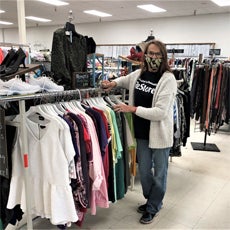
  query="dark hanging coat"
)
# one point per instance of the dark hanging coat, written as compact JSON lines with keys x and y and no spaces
{"x":69,"y":55}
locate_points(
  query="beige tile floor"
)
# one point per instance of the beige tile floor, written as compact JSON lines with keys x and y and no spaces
{"x":197,"y":197}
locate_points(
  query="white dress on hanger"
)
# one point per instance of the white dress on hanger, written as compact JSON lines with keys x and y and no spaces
{"x":51,"y":152}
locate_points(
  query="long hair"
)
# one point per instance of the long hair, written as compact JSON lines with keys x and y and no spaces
{"x":164,"y":64}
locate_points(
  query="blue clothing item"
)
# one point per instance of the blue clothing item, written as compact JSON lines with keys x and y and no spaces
{"x":153,"y":168}
{"x":100,"y":128}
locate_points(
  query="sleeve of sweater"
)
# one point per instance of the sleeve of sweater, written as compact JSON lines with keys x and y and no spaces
{"x":163,"y":100}
{"x":125,"y":81}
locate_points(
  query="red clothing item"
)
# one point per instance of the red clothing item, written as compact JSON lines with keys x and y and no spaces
{"x":1,"y":55}
{"x":105,"y":121}
{"x":213,"y":73}
{"x":87,"y":138}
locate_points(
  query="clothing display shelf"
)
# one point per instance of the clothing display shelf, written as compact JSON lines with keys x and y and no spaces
{"x":113,"y":68}
{"x":22,"y":113}
{"x":92,"y":60}
{"x":130,"y":62}
{"x":112,"y":64}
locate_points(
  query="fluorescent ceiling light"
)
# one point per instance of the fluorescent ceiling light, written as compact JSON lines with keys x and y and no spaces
{"x":2,"y":11}
{"x":5,"y":23}
{"x":151,"y":8}
{"x":222,"y":2}
{"x":97,"y":13}
{"x":54,"y":2}
{"x":38,"y":19}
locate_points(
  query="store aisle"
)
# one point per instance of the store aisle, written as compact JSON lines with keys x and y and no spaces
{"x":197,"y":197}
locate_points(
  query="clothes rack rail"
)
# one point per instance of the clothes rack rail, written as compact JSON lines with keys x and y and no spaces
{"x":7,"y":44}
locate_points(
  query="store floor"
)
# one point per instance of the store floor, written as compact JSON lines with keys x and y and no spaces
{"x":197,"y":197}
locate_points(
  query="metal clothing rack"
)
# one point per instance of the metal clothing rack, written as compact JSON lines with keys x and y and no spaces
{"x":22,"y":112}
{"x":8,"y":44}
{"x":207,"y":146}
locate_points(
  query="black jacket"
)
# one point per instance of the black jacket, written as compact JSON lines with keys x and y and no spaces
{"x":68,"y":56}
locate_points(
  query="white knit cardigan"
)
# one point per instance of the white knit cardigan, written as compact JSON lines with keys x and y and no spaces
{"x":161,"y":113}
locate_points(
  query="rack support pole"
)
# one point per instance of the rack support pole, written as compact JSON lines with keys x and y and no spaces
{"x":21,"y":21}
{"x":26,"y":163}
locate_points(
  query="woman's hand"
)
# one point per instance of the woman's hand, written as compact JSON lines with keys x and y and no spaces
{"x":124,"y":108}
{"x":108,"y":85}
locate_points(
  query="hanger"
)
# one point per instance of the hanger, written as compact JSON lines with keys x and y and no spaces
{"x":77,"y":104}
{"x":150,"y":37}
{"x":115,"y":99}
{"x":72,"y":108}
{"x":50,"y":113}
{"x":36,"y":114}
{"x":109,"y":101}
{"x":97,"y":102}
{"x":57,"y":110}
{"x":70,"y":27}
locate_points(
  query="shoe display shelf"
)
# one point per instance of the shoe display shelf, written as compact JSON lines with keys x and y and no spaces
{"x":16,"y":56}
{"x":23,"y":70}
{"x":45,"y":64}
{"x":134,"y":62}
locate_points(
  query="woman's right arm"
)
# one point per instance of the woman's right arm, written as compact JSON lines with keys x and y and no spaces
{"x":108,"y":85}
{"x":123,"y":82}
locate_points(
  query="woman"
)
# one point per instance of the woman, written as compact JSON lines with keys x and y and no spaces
{"x":152,"y":91}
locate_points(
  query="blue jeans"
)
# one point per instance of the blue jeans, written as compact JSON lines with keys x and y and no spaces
{"x":153,"y":181}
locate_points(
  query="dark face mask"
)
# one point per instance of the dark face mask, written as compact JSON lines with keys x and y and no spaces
{"x":153,"y":63}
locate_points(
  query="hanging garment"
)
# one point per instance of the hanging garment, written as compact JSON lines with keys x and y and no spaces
{"x":68,"y":56}
{"x":99,"y":193}
{"x":3,"y":146}
{"x":51,"y":155}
